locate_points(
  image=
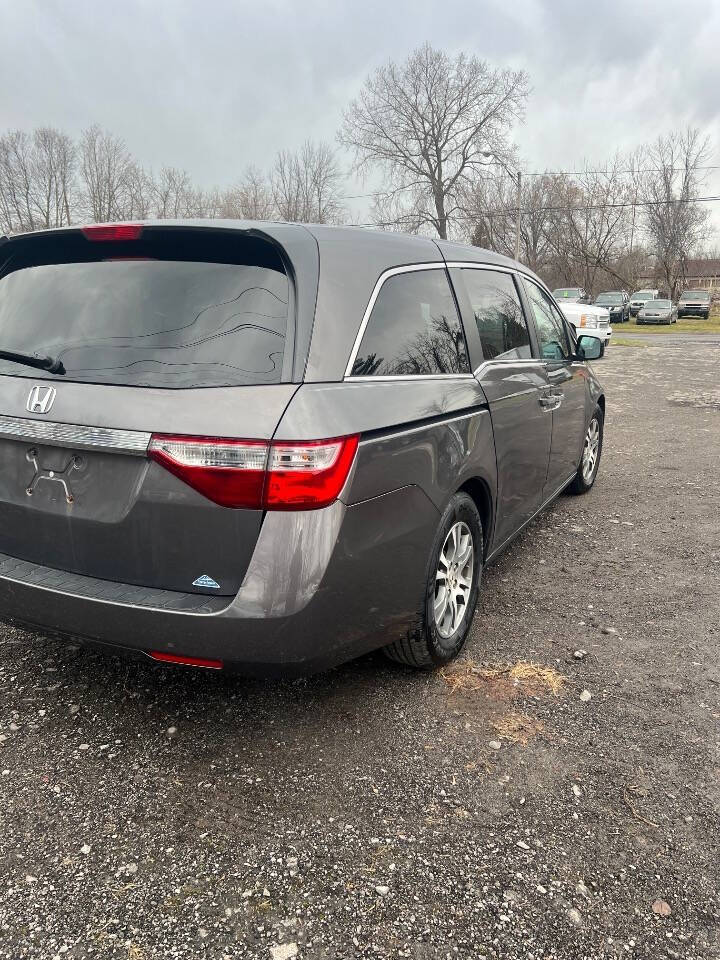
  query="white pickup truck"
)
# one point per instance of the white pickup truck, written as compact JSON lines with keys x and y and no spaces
{"x":587,"y":318}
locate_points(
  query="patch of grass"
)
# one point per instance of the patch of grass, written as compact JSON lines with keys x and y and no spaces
{"x":619,"y":342}
{"x":517,"y":727}
{"x":684,"y":325}
{"x":517,"y":679}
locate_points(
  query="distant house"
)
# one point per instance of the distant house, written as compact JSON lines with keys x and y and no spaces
{"x":703,"y":273}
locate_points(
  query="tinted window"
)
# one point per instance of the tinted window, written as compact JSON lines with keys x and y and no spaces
{"x":179,"y":310}
{"x":414,"y":329}
{"x":498,"y":314}
{"x":550,"y":325}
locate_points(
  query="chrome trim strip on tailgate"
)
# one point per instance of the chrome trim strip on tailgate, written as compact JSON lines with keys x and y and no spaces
{"x":132,"y":442}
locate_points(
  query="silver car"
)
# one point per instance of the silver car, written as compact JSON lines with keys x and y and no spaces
{"x":658,"y":311}
{"x":275,"y":447}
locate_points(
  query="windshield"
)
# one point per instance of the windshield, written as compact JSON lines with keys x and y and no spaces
{"x":695,"y":295}
{"x":562,"y":293}
{"x":182,"y":310}
{"x":643,"y":295}
{"x":658,"y":305}
{"x":609,"y":298}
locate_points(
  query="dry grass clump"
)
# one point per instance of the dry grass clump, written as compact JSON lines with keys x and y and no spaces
{"x":520,"y":679}
{"x":517,"y":727}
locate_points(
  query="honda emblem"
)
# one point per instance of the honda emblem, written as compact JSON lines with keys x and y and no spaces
{"x":40,"y":399}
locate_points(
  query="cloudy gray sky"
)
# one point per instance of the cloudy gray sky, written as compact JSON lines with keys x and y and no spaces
{"x":212,"y":85}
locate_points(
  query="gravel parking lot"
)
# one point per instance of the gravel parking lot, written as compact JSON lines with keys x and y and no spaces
{"x":377,"y":812}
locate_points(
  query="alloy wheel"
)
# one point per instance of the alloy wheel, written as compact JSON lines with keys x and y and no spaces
{"x":453,"y":579}
{"x":591,"y":450}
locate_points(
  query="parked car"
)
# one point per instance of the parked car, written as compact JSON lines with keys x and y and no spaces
{"x":571,"y":295}
{"x":272,"y":446}
{"x":658,"y":311}
{"x":617,"y":303}
{"x":639,"y":299}
{"x":588,"y":318}
{"x":694,"y":303}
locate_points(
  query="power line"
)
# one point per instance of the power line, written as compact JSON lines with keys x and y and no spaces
{"x":609,"y":206}
{"x":544,"y":173}
{"x":511,"y":211}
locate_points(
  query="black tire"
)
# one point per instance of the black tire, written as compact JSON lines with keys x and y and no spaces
{"x":424,"y":646}
{"x":580,"y":483}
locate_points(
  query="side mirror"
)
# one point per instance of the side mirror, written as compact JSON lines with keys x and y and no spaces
{"x":590,"y":348}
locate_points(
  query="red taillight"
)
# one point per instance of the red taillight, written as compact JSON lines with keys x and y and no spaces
{"x":307,"y":475}
{"x":228,"y":472}
{"x":111,"y":232}
{"x":256,"y":474}
{"x":186,"y":661}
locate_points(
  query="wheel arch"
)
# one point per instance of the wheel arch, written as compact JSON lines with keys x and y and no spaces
{"x":479,"y":491}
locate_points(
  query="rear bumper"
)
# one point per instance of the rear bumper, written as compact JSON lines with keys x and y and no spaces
{"x":322,"y":587}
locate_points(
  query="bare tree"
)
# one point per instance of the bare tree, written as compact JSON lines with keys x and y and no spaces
{"x":307,"y":185}
{"x":139,"y":194}
{"x":37,"y":179}
{"x":53,"y":170}
{"x":490,"y":212}
{"x":174,"y":194}
{"x":17,"y":207}
{"x":589,"y":224}
{"x":250,"y":199}
{"x":106,"y":170}
{"x":427,"y":123}
{"x":676,"y":227}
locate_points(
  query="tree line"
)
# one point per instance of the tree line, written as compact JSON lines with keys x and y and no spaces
{"x":436,"y":131}
{"x":48,"y":180}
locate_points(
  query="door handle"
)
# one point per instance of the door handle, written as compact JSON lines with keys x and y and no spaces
{"x":547,"y":401}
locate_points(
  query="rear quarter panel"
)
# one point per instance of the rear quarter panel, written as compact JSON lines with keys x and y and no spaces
{"x":434,"y":434}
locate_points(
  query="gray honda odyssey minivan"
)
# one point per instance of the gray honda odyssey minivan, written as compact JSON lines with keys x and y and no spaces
{"x":275,"y":446}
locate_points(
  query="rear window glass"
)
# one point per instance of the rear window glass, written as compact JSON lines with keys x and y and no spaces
{"x":171,"y":309}
{"x":498,"y":315}
{"x":414,"y":329}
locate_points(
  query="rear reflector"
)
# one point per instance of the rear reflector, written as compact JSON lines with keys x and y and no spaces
{"x":112,"y":232}
{"x":256,"y":474}
{"x":186,"y":661}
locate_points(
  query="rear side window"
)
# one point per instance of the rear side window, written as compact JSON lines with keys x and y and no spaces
{"x":498,"y":314}
{"x":414,"y":329}
{"x":176,"y":308}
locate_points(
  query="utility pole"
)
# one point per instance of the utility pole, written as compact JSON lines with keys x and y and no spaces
{"x":517,"y":177}
{"x":517,"y":218}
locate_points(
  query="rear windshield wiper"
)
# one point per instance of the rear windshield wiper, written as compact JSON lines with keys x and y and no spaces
{"x":51,"y":364}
